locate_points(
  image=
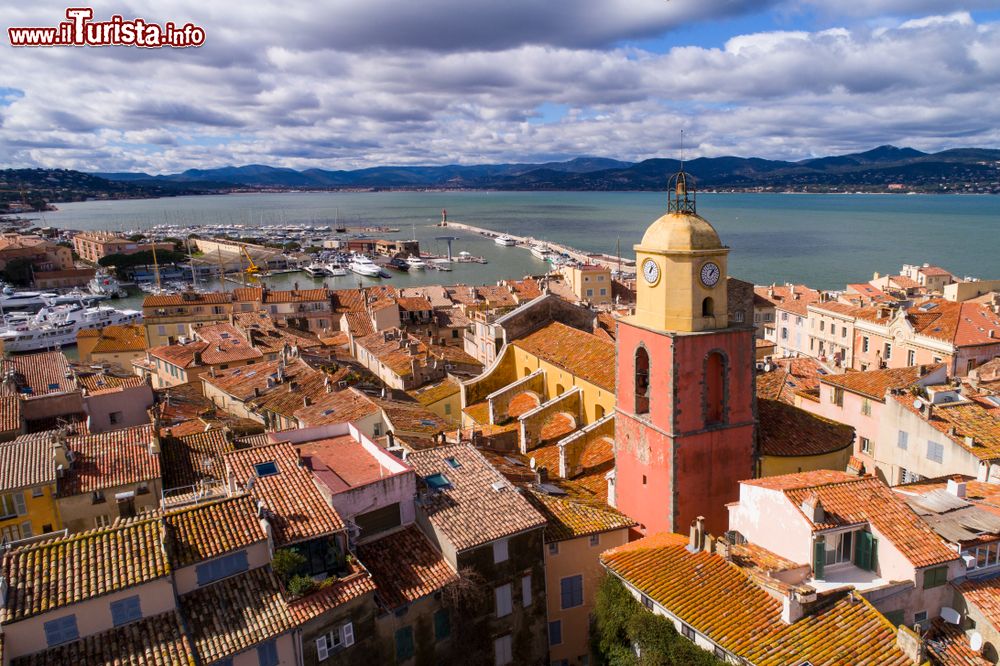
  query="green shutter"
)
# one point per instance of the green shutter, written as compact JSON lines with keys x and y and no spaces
{"x":874,"y":560}
{"x":819,"y":559}
{"x":935,"y":577}
{"x":896,"y":617}
{"x":863,"y":550}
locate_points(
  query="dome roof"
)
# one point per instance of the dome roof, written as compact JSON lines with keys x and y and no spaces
{"x":680,"y":232}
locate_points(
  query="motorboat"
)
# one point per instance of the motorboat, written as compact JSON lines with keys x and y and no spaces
{"x":398,"y":263}
{"x":57,"y":326}
{"x":105,"y":284}
{"x":316,"y":269}
{"x":505,"y":240}
{"x":335,"y":270}
{"x":24,"y":300}
{"x":416,"y":262}
{"x":362,"y":265}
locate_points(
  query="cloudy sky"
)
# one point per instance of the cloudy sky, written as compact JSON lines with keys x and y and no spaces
{"x":370,"y":82}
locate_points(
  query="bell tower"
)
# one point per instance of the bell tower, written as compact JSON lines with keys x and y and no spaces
{"x":685,"y":414}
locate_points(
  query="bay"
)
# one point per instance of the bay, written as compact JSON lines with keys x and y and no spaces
{"x":822,"y":240}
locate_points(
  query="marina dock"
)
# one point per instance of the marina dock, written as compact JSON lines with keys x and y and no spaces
{"x":525,"y":242}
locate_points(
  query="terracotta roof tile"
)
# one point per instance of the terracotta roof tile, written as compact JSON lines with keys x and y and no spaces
{"x":109,"y":460}
{"x":570,"y":518}
{"x":358,"y":583}
{"x":785,"y":430}
{"x":580,"y":353}
{"x":874,"y":383}
{"x":959,"y":420}
{"x":101,"y":384}
{"x":405,"y":567}
{"x":468,"y":510}
{"x":183,"y":356}
{"x":36,"y":374}
{"x":226,"y":344}
{"x":360,"y":324}
{"x":791,"y":298}
{"x":411,"y":417}
{"x":158,"y":640}
{"x":948,"y":645}
{"x":719,"y":600}
{"x":236,"y":613}
{"x":120,"y":339}
{"x":299,"y":512}
{"x":853,"y":500}
{"x":212,"y":529}
{"x":53,"y":573}
{"x":27,"y":463}
{"x":339,"y":406}
{"x":431,"y":393}
{"x":185,"y":299}
{"x":241,"y":382}
{"x":10,"y":413}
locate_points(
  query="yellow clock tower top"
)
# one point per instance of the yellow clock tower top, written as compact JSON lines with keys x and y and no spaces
{"x":681,"y":266}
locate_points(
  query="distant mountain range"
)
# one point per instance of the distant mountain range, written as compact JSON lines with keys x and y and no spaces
{"x":886,"y":168}
{"x":875,"y":168}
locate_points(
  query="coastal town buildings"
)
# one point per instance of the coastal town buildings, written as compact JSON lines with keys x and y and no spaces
{"x":116,"y":346}
{"x":92,"y":246}
{"x":43,"y":255}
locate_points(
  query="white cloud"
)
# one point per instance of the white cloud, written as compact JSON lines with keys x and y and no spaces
{"x":291,"y":88}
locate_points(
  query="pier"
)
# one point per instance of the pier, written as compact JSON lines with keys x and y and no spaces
{"x":525,"y":242}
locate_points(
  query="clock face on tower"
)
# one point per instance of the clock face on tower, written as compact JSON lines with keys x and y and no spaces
{"x":651,"y":271}
{"x":710,"y":274}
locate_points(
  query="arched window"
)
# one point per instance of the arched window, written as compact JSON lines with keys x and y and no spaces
{"x":708,"y":307}
{"x":641,"y":381}
{"x":715,"y":382}
{"x":598,"y":412}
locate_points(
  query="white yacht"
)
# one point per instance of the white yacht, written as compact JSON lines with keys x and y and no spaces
{"x":416,"y":262}
{"x":24,"y":300}
{"x":105,"y":284}
{"x":57,"y":326}
{"x":504,"y":240}
{"x":317,"y":269}
{"x":362,"y":265}
{"x":334,"y":269}
{"x":540,"y":251}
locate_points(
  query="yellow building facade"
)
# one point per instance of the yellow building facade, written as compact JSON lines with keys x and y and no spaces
{"x":28,"y":492}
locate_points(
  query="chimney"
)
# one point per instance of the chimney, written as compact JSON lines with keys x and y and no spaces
{"x":256,"y":391}
{"x":791,"y":608}
{"x":970,"y":441}
{"x":61,"y":453}
{"x":292,"y":386}
{"x":211,"y":370}
{"x":812,"y":507}
{"x":541,"y":475}
{"x":876,"y":276}
{"x":910,"y":644}
{"x":956,"y":488}
{"x":306,"y":401}
{"x":390,"y":439}
{"x":696,"y":540}
{"x":197,"y":357}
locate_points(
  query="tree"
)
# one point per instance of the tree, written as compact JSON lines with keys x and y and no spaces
{"x":621,"y":625}
{"x":144,"y":258}
{"x":18,"y":272}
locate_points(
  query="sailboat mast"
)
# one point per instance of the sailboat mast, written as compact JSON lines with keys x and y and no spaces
{"x":156,"y":267}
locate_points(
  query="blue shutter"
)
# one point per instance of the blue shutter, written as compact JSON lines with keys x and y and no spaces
{"x":267,"y":654}
{"x":222,"y":567}
{"x":62,"y":630}
{"x":125,"y":611}
{"x":565,"y":592}
{"x":571,"y":590}
{"x":555,"y":632}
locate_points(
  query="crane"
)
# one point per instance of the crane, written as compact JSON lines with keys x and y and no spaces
{"x":252,"y":268}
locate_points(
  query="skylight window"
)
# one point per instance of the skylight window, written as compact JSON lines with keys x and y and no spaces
{"x":53,"y":387}
{"x":269,"y":468}
{"x":437,"y":481}
{"x":453,"y":462}
{"x":427,"y":422}
{"x":928,"y":306}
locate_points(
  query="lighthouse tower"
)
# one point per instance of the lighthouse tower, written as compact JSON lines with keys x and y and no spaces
{"x":685,"y":413}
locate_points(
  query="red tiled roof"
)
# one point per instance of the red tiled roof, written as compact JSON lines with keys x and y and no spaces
{"x":299,"y":510}
{"x":791,"y":298}
{"x":10,"y":413}
{"x":874,"y":383}
{"x":405,"y":567}
{"x":469,"y":511}
{"x":853,"y":500}
{"x":785,"y":430}
{"x":109,"y":460}
{"x":38,"y":374}
{"x":159,"y":640}
{"x":226,"y":344}
{"x":570,"y":518}
{"x":720,"y":601}
{"x":212,"y":529}
{"x":27,"y":463}
{"x":339,"y":406}
{"x":414,"y":304}
{"x":182,"y":356}
{"x":984,"y":594}
{"x":57,"y":572}
{"x":120,"y":338}
{"x":949,"y":645}
{"x":189,"y":458}
{"x":190,"y":298}
{"x":579,"y":353}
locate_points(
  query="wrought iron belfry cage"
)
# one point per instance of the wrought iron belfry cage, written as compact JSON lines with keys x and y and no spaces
{"x":681,"y":193}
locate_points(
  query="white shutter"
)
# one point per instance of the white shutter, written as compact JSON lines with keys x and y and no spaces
{"x":503,"y":600}
{"x":526,"y":590}
{"x":347,"y":631}
{"x":26,"y":530}
{"x":19,"y":504}
{"x":321,"y":649}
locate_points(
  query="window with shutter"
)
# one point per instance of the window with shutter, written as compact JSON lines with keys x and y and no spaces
{"x":321,"y":649}
{"x":863,"y":550}
{"x":503,"y":602}
{"x":571,"y":589}
{"x":526,"y":590}
{"x":19,"y":504}
{"x":347,"y":633}
{"x":442,"y":624}
{"x":819,"y":559}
